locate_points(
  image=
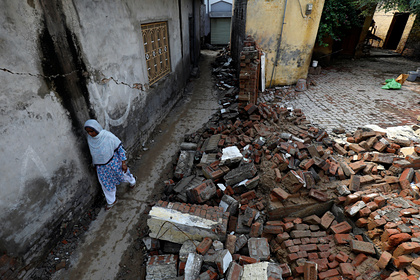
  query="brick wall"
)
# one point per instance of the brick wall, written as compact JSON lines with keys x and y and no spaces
{"x":238,"y":31}
{"x":249,"y":74}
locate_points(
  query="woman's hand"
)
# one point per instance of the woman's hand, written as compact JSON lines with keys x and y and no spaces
{"x":124,"y":166}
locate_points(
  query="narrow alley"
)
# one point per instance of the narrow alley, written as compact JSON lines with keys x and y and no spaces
{"x":282,"y":197}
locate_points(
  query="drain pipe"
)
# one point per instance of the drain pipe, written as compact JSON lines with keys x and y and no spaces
{"x":278,"y":45}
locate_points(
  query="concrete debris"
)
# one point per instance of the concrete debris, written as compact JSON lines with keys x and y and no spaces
{"x":193,"y":266}
{"x":266,"y":195}
{"x":162,"y":267}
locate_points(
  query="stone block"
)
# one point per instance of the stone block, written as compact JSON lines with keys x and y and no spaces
{"x":192,"y":267}
{"x":241,"y":241}
{"x":222,"y":260}
{"x":262,"y":270}
{"x":185,"y":164}
{"x":231,"y":155}
{"x":240,"y":174}
{"x":162,"y":267}
{"x":229,"y":204}
{"x":249,"y":215}
{"x":211,"y":144}
{"x":346,"y":168}
{"x":168,"y":224}
{"x":259,"y":248}
{"x":355,"y":208}
{"x":187,"y":247}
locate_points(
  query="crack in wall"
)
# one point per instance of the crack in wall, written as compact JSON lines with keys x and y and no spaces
{"x":139,"y":86}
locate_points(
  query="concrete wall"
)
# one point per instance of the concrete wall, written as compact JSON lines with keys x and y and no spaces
{"x":64,"y":62}
{"x":264,"y":23}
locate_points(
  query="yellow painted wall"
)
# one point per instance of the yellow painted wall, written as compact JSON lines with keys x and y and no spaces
{"x":263,"y":23}
{"x":383,"y":21}
{"x":407,"y":29}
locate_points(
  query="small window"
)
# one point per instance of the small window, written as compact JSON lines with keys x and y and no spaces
{"x":156,"y":48}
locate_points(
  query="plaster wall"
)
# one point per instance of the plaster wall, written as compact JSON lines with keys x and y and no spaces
{"x":264,"y":20}
{"x":383,"y":22}
{"x":406,"y":33}
{"x":63,"y":62}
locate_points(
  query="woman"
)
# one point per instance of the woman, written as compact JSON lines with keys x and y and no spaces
{"x":108,"y":156}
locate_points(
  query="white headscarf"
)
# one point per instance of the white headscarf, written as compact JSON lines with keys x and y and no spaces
{"x":103,"y":145}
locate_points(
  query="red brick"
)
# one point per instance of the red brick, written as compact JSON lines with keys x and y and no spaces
{"x":319,"y":195}
{"x":406,"y":248}
{"x":255,"y":229}
{"x":342,"y":238}
{"x":359,"y":259}
{"x":327,"y":219}
{"x":308,"y":247}
{"x":246,"y":260}
{"x":347,"y":270}
{"x":402,"y":261}
{"x":292,"y":257}
{"x":387,"y":233}
{"x":396,"y":239}
{"x":328,"y":274}
{"x":364,"y":212}
{"x":333,"y":264}
{"x":362,"y":247}
{"x":204,"y":246}
{"x":342,"y":227}
{"x":280,"y":193}
{"x":312,"y":256}
{"x":384,"y":259}
{"x":249,"y":195}
{"x":282,"y":237}
{"x":342,"y":257}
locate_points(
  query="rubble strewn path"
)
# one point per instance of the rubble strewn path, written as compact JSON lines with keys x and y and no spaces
{"x":349,"y":95}
{"x":110,"y":235}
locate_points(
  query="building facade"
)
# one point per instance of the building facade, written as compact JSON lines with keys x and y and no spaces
{"x":122,"y":62}
{"x":284,"y":30}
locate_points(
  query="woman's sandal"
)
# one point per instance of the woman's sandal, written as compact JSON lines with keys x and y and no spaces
{"x":133,"y":185}
{"x":109,"y":206}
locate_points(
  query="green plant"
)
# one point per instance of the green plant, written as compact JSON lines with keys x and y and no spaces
{"x":337,"y":17}
{"x":408,"y":6}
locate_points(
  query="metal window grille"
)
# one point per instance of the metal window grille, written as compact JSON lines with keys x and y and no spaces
{"x":156,"y":48}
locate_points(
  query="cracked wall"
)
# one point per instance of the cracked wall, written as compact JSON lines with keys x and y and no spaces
{"x":62,"y":62}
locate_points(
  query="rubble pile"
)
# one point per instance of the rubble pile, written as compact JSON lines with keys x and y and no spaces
{"x":263,"y":194}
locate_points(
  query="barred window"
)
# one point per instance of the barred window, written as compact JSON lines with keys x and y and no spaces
{"x":156,"y":48}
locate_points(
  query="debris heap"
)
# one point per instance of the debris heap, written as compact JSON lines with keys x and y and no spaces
{"x":260,"y":193}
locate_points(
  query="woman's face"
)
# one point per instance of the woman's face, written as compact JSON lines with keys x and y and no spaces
{"x":91,"y":132}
